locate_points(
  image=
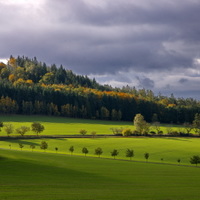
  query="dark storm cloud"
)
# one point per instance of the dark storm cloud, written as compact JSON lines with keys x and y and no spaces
{"x":126,"y":35}
{"x":116,"y":35}
{"x":183,"y":80}
{"x":106,"y":37}
{"x":145,"y":82}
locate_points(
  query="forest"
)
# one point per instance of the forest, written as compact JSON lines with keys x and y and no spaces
{"x":30,"y":87}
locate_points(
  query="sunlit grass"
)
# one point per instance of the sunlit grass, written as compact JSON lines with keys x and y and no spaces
{"x":170,"y":149}
{"x":33,"y":175}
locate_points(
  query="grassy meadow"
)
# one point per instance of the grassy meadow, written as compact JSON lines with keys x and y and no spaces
{"x":63,"y":126}
{"x":45,"y":175}
{"x":70,"y":126}
{"x":170,"y":149}
{"x":33,"y":175}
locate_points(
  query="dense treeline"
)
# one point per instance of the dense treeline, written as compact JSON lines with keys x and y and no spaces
{"x":31,"y":87}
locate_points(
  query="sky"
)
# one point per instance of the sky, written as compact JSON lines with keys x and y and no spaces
{"x":148,"y":44}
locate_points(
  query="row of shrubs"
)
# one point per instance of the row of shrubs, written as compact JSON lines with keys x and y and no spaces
{"x":128,"y":132}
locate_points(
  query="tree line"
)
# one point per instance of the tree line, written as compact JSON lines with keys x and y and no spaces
{"x":129,"y":153}
{"x":36,"y":127}
{"x":28,"y":86}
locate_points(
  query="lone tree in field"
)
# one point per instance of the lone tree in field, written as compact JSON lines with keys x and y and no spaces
{"x":98,"y":151}
{"x":196,"y":123}
{"x":188,"y":127}
{"x":85,"y":150}
{"x":21,"y":146}
{"x":141,"y":126}
{"x":8,"y":128}
{"x":146,"y":155}
{"x":195,"y":160}
{"x":179,"y":160}
{"x":1,"y":125}
{"x":83,"y":132}
{"x":129,"y":153}
{"x":71,"y":149}
{"x":114,"y":153}
{"x":22,"y":130}
{"x":37,"y":127}
{"x":56,"y":148}
{"x":32,"y":146}
{"x":44,"y":145}
{"x":93,"y":133}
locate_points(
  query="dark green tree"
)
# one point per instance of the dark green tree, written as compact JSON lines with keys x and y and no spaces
{"x":44,"y":145}
{"x":37,"y":127}
{"x":32,"y":146}
{"x":195,"y":159}
{"x":71,"y":149}
{"x":85,"y":150}
{"x":129,"y":153}
{"x":21,"y":146}
{"x":98,"y":151}
{"x":146,"y":155}
{"x":114,"y":153}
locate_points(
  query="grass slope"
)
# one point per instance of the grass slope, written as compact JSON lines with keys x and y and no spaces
{"x":170,"y":149}
{"x":70,"y":126}
{"x":31,"y":175}
{"x":63,"y":126}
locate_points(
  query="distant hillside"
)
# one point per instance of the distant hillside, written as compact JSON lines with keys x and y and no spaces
{"x":28,"y":86}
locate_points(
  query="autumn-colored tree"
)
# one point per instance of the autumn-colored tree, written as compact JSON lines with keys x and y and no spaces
{"x":127,"y":132}
{"x":196,"y":123}
{"x":141,"y":126}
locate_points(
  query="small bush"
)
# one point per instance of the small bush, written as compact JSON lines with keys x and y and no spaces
{"x":127,"y":132}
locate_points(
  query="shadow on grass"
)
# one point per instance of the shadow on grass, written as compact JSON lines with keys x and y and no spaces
{"x":59,"y":119}
{"x":23,"y":142}
{"x":177,"y":139}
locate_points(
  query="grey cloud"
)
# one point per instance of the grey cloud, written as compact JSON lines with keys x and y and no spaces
{"x":183,"y":80}
{"x":87,"y":38}
{"x":144,"y":36}
{"x":146,"y":82}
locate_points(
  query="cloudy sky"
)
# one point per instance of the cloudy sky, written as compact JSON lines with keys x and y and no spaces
{"x":152,"y":44}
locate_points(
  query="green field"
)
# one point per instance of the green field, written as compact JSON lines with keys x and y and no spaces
{"x":63,"y":126}
{"x":170,"y":149}
{"x":47,"y":175}
{"x":43,"y":176}
{"x":69,"y":126}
